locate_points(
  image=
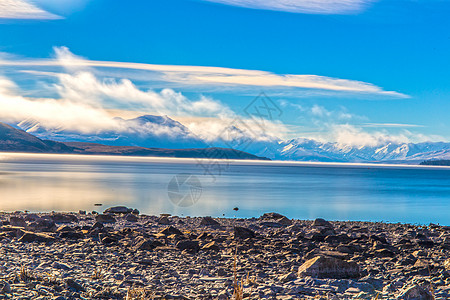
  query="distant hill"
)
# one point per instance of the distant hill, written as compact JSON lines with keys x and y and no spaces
{"x":212,"y":153}
{"x":441,"y":162}
{"x":17,"y":140}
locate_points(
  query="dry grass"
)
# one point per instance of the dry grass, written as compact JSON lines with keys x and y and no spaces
{"x":238,"y":293}
{"x":25,"y":275}
{"x":135,"y":293}
{"x":97,"y":274}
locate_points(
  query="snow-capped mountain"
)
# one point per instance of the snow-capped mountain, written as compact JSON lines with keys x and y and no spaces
{"x":311,"y":150}
{"x":145,"y":131}
{"x":163,"y":132}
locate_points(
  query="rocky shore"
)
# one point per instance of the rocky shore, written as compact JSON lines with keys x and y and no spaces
{"x":122,"y":254}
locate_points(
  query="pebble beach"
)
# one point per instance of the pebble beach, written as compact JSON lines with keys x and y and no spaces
{"x":122,"y":254}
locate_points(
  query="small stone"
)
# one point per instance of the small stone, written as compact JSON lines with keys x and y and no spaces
{"x":208,"y":221}
{"x":272,"y":216}
{"x":243,"y":233}
{"x":104,"y":218}
{"x":71,"y":283}
{"x":131,"y":218}
{"x":188,"y":245}
{"x":171,"y":230}
{"x":17,"y":221}
{"x":5,"y":287}
{"x":29,"y":236}
{"x":284,"y":221}
{"x":211,"y":246}
{"x":163,"y":220}
{"x":287,"y":277}
{"x":319,"y":222}
{"x":63,"y":218}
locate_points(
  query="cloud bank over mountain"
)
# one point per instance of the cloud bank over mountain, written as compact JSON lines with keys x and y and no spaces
{"x":73,"y":100}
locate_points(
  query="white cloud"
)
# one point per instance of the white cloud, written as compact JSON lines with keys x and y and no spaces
{"x":214,"y":76}
{"x":84,"y":104}
{"x":302,"y":6}
{"x":390,"y":125}
{"x":22,"y":9}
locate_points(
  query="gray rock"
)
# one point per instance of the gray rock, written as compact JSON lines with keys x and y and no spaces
{"x":188,"y":245}
{"x":415,"y":293}
{"x":171,"y":230}
{"x":328,"y":267}
{"x":71,"y":283}
{"x":17,"y":221}
{"x":163,"y":220}
{"x":131,"y":218}
{"x":243,"y":233}
{"x":208,"y":221}
{"x":319,"y":222}
{"x":63,"y":218}
{"x":288,"y":277}
{"x":118,"y":210}
{"x":105,"y":218}
{"x":29,"y":236}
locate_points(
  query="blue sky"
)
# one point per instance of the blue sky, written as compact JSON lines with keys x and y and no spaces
{"x":393,"y":58}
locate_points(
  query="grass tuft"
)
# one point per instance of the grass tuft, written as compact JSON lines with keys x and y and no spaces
{"x":97,"y":274}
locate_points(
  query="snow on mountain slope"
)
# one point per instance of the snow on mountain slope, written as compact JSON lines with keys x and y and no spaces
{"x":164,"y":132}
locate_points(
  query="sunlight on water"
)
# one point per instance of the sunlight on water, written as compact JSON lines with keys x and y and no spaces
{"x":334,"y":191}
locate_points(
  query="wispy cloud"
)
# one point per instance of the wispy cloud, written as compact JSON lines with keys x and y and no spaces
{"x":22,"y":9}
{"x":391,"y":125}
{"x":303,"y":6}
{"x":215,"y":76}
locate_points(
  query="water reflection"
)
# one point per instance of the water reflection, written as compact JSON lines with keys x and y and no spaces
{"x":346,"y":192}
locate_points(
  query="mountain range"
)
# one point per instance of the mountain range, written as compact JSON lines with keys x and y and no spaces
{"x":162,"y":136}
{"x":16,"y":140}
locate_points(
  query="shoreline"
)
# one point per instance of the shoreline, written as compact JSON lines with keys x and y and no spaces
{"x":155,"y":159}
{"x":120,"y":252}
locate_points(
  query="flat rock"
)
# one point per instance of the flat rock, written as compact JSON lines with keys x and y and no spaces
{"x":118,"y":210}
{"x":29,"y":236}
{"x":329,"y":267}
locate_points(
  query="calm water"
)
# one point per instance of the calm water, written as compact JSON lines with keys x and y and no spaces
{"x":345,"y":192}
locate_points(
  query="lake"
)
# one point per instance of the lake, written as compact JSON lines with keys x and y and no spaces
{"x":391,"y":193}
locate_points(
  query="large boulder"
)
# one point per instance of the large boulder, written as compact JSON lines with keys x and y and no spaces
{"x":118,"y":210}
{"x":329,"y":267}
{"x":415,"y":292}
